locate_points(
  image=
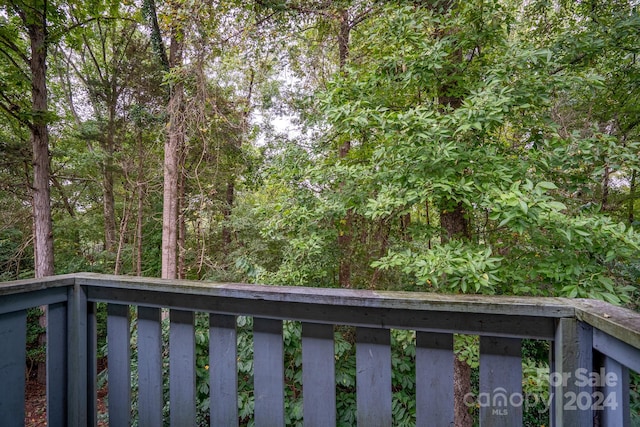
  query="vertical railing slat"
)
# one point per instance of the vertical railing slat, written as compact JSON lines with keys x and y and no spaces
{"x":373,"y":377}
{"x":57,"y":364}
{"x":119,"y":368}
{"x":614,"y":401}
{"x":182,"y":368}
{"x":150,"y":399}
{"x":77,"y":358}
{"x":501,"y":399}
{"x":223,"y":370}
{"x":572,"y":350}
{"x":13,"y":336}
{"x":318,"y":375}
{"x":434,"y":379}
{"x":92,"y":365}
{"x":268,"y":376}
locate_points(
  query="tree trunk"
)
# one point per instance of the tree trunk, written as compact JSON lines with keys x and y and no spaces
{"x":172,"y":148}
{"x":454,"y":223}
{"x":345,"y":235}
{"x":182,"y":227}
{"x":605,"y":187}
{"x":124,"y":225}
{"x":231,"y":182}
{"x":108,"y":198}
{"x":42,"y":225}
{"x":632,"y":197}
{"x":41,"y":193}
{"x":139,"y":220}
{"x":343,"y":38}
{"x":461,"y":388}
{"x":345,"y":228}
{"x":140,"y":186}
{"x":226,"y":213}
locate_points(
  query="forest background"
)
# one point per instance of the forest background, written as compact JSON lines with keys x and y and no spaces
{"x":485,"y":146}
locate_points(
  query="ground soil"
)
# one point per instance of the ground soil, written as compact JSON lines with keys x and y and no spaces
{"x":36,"y":404}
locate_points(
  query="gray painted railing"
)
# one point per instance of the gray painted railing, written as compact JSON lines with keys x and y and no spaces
{"x":588,"y":338}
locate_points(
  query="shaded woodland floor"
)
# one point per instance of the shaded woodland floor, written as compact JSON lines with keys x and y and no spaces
{"x":36,"y":404}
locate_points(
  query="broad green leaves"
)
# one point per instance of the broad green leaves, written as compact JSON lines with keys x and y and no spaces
{"x":462,"y":109}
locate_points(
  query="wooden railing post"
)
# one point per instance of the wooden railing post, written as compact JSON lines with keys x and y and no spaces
{"x":572,"y":360}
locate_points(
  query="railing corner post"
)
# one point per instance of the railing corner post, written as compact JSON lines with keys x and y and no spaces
{"x":77,"y":357}
{"x":571,"y":365}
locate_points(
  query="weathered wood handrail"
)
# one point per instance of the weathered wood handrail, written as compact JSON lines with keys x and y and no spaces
{"x":586,"y":336}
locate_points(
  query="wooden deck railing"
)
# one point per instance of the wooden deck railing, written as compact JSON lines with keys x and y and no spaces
{"x":588,"y":338}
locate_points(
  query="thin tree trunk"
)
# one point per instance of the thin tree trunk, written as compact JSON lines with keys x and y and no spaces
{"x":605,"y":187}
{"x":182,"y":228}
{"x":108,"y":198}
{"x":345,"y":235}
{"x":632,"y":197}
{"x":461,"y":388}
{"x":226,"y":213}
{"x":172,"y":170}
{"x":345,"y":229}
{"x":140,"y":195}
{"x":231,"y":183}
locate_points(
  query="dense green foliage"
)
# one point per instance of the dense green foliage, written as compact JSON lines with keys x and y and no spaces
{"x":522,"y":119}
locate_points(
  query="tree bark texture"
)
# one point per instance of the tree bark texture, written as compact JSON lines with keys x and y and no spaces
{"x":632,"y":197}
{"x":35,"y":21}
{"x":172,"y":171}
{"x":42,"y":225}
{"x":108,"y":198}
{"x":43,"y":229}
{"x":345,"y":229}
{"x":461,"y":387}
{"x":454,"y":223}
{"x":141,"y":191}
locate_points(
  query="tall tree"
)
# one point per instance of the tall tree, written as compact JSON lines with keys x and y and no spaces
{"x":174,"y":143}
{"x":30,"y":66}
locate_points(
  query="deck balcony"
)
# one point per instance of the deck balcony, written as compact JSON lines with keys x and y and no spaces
{"x":587,"y":338}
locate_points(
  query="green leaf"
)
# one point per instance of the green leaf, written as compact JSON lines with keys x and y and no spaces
{"x":547,"y":185}
{"x":523,"y":206}
{"x":557,"y":205}
{"x":610,"y":298}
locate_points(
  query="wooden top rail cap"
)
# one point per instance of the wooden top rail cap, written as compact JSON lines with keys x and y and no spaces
{"x":32,"y":285}
{"x":425,"y":301}
{"x":618,"y":322}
